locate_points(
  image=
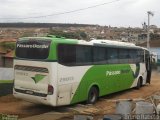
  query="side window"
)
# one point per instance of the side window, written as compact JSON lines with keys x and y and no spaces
{"x":99,"y":55}
{"x":124,"y":56}
{"x":146,"y":55}
{"x":140,"y":56}
{"x":112,"y":55}
{"x":133,"y":55}
{"x":84,"y":55}
{"x":72,"y":55}
{"x":66,"y":54}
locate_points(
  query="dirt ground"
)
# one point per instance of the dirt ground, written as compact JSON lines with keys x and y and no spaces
{"x":106,"y":104}
{"x":153,"y":43}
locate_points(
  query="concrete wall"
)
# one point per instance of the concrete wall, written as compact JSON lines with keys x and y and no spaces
{"x":6,"y":87}
{"x":6,"y":74}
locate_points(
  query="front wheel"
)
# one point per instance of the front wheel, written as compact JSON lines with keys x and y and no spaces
{"x":139,"y":84}
{"x":92,"y":95}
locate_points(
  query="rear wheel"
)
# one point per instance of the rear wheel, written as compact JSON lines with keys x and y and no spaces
{"x":139,"y":84}
{"x":92,"y":95}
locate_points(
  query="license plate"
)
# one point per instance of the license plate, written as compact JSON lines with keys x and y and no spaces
{"x":29,"y":92}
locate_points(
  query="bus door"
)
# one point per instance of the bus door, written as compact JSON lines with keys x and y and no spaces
{"x":148,"y":66}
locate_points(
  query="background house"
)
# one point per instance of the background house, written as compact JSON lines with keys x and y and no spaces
{"x":2,"y":53}
{"x":8,"y":59}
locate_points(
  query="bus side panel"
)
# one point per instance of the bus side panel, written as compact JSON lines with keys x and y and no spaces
{"x":139,"y":71}
{"x":143,"y":72}
{"x":68,"y":82}
{"x":109,"y":79}
{"x":74,"y":82}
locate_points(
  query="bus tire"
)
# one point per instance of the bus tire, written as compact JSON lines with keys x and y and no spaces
{"x":139,"y":84}
{"x":93,"y":95}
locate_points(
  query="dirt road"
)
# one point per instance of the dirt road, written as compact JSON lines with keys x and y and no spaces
{"x":11,"y":105}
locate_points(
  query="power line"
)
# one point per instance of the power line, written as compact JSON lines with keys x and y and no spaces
{"x":67,"y":12}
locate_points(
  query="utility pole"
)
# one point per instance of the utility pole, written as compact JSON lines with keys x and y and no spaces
{"x":148,"y":28}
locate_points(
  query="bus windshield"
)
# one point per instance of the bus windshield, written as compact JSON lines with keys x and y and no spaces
{"x":32,"y":49}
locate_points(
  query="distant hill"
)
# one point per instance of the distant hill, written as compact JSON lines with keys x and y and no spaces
{"x":153,"y":43}
{"x":42,"y":25}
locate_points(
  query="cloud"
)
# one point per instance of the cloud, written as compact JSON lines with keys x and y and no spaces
{"x":121,"y":13}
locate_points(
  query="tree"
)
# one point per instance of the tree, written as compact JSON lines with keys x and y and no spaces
{"x":83,"y":35}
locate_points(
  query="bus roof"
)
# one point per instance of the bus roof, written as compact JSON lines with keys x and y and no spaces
{"x":111,"y":42}
{"x":95,"y":42}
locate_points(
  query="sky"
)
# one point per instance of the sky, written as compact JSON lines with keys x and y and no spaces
{"x":117,"y":13}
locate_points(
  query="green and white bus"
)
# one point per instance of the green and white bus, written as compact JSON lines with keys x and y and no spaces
{"x":59,"y":71}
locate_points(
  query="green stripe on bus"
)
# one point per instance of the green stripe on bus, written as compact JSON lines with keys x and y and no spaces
{"x":6,"y":81}
{"x":108,"y":78}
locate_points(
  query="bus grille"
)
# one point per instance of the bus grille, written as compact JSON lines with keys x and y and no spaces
{"x":31,"y":68}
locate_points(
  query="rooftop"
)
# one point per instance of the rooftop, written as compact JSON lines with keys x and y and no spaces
{"x":8,"y":40}
{"x":2,"y":50}
{"x":9,"y":54}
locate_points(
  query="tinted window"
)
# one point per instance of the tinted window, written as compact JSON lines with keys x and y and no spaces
{"x":140,"y":56}
{"x":33,"y":49}
{"x":99,"y":55}
{"x":67,"y":54}
{"x":74,"y":54}
{"x":112,"y":55}
{"x":87,"y":55}
{"x":133,"y":56}
{"x":84,"y":55}
{"x":147,"y":56}
{"x":124,"y":55}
